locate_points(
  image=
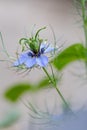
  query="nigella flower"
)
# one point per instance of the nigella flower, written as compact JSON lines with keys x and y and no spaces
{"x":30,"y":58}
{"x":34,"y":52}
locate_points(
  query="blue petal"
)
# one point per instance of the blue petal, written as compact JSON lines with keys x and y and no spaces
{"x":43,"y":45}
{"x":49,"y":49}
{"x":23,"y":57}
{"x":42,"y":60}
{"x":31,"y":61}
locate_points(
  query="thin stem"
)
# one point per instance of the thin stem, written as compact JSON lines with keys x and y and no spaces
{"x":54,"y":37}
{"x":84,"y":18}
{"x":58,"y":91}
{"x":4,"y":45}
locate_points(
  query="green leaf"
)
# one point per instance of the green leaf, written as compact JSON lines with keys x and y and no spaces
{"x":43,"y":83}
{"x":68,"y":55}
{"x":14,"y":92}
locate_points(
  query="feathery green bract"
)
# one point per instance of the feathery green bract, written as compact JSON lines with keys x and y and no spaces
{"x":9,"y":119}
{"x":70,"y":54}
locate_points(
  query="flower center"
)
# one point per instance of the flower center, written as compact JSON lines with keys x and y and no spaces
{"x":36,"y":54}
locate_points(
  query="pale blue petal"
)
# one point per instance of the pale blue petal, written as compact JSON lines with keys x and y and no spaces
{"x":42,"y":60}
{"x":49,"y":49}
{"x":31,"y":61}
{"x":21,"y":59}
{"x":43,"y":45}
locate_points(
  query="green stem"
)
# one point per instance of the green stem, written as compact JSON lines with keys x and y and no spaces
{"x":84,"y":18}
{"x":4,"y":49}
{"x":58,"y":91}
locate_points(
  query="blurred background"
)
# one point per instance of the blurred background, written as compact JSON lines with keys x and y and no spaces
{"x":17,"y":18}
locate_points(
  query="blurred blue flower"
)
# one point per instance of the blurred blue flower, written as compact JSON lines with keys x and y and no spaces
{"x":30,"y":58}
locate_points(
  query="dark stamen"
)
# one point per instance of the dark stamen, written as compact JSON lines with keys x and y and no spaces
{"x":42,"y":50}
{"x":30,"y":54}
{"x":39,"y":53}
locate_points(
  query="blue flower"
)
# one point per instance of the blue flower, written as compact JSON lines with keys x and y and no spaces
{"x":30,"y":58}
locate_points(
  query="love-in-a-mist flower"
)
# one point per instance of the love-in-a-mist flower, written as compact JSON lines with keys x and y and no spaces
{"x":34,"y":52}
